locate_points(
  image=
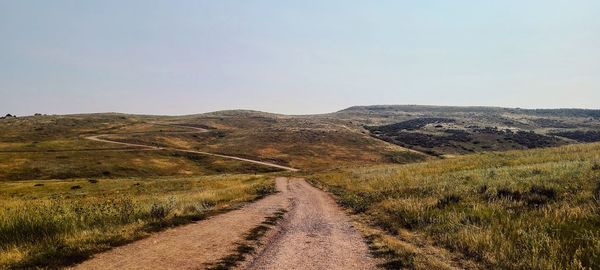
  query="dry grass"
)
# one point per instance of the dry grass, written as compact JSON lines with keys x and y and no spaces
{"x":77,"y":164}
{"x":535,"y":209}
{"x":54,"y":223}
{"x":305,"y":142}
{"x":54,"y":146}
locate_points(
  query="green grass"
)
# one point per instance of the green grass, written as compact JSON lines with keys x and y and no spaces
{"x":535,"y":209}
{"x":54,"y":223}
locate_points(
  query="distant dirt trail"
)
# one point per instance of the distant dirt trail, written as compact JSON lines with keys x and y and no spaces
{"x":103,"y":138}
{"x":317,"y":234}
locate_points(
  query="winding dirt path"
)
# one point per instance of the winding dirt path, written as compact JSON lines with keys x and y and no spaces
{"x":103,"y":138}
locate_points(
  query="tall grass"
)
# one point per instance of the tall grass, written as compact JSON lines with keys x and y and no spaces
{"x":535,"y":209}
{"x":54,"y":225}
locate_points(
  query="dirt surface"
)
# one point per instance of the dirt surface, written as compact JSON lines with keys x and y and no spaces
{"x":192,"y":246}
{"x":315,"y":235}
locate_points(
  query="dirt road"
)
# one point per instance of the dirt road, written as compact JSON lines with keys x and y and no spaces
{"x":315,"y":234}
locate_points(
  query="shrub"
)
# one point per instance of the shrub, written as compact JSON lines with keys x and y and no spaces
{"x":263,"y":190}
{"x":536,"y":196}
{"x":447,"y":200}
{"x":547,"y":192}
{"x":159,"y":211}
{"x":507,"y":193}
{"x":126,"y":210}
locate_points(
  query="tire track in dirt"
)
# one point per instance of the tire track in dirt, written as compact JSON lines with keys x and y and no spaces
{"x":316,"y":234}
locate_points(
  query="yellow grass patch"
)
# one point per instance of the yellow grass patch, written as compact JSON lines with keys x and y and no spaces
{"x":63,"y":222}
{"x":534,"y":209}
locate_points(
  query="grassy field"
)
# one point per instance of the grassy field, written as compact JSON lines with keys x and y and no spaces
{"x":77,"y":164}
{"x":53,"y":223}
{"x":533,"y":209}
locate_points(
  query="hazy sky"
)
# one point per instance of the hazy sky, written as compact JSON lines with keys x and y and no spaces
{"x":181,"y":57}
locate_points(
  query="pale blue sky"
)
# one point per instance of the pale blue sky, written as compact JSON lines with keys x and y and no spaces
{"x":182,"y":57}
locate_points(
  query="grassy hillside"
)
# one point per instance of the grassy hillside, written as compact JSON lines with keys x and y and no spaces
{"x":54,"y":223}
{"x":304,"y":142}
{"x":440,"y":130}
{"x":534,"y":209}
{"x":54,"y":147}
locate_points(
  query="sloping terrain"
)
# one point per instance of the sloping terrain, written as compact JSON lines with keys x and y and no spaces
{"x":529,"y":209}
{"x":298,"y":141}
{"x":370,"y":134}
{"x":441,"y":130}
{"x":56,"y":146}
